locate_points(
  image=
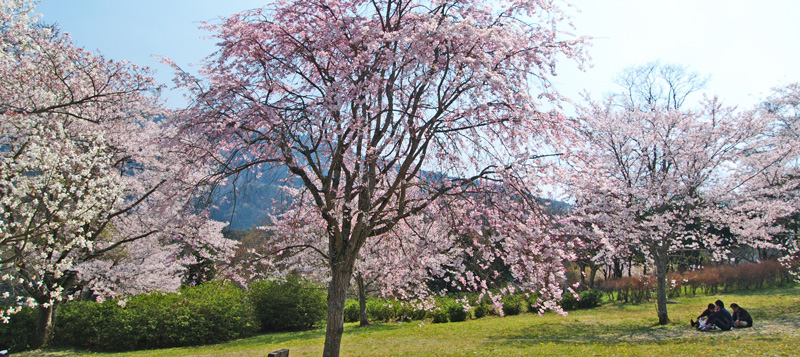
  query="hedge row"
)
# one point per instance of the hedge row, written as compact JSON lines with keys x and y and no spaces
{"x":293,"y":304}
{"x":217,"y":312}
{"x":587,"y":300}
{"x":384,"y":310}
{"x":633,"y":289}
{"x":209,"y":313}
{"x":708,"y":280}
{"x":746,"y":276}
{"x":449,"y":310}
{"x":446,"y":310}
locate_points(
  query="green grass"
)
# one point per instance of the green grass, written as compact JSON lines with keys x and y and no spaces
{"x":612,"y":329}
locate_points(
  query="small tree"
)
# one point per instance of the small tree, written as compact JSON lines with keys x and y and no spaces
{"x":646,"y":178}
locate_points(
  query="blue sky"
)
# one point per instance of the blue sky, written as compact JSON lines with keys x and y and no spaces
{"x":746,"y":46}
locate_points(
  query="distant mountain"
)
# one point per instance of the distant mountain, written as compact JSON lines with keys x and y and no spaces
{"x":246,"y":202}
{"x":555,"y":207}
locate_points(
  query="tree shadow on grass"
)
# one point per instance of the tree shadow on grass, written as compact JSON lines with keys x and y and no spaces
{"x":278,"y":338}
{"x":569,"y":332}
{"x":576,"y":332}
{"x":371,"y":328}
{"x":275,"y":339}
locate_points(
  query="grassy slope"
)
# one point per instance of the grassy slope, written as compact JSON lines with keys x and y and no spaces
{"x":614,"y":328}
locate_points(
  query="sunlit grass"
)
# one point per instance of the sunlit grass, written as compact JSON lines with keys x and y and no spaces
{"x":612,"y":329}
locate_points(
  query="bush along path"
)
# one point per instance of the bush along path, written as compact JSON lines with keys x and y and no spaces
{"x":212,"y":312}
{"x":614,"y":328}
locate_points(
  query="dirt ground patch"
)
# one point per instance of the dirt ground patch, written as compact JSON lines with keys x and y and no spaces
{"x":788,"y":325}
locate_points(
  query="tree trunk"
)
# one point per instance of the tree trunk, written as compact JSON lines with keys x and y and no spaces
{"x":592,"y":274}
{"x":362,"y":301}
{"x":630,"y":266}
{"x":661,"y":263}
{"x":341,"y":272}
{"x":619,"y":269}
{"x":45,"y":323}
{"x":583,"y":274}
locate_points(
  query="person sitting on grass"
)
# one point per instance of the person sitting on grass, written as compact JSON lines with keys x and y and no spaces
{"x":721,"y":318}
{"x":703,"y":318}
{"x":741,"y":318}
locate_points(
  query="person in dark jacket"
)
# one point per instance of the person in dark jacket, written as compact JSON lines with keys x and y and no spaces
{"x":741,"y":318}
{"x":721,"y":318}
{"x":705,"y":313}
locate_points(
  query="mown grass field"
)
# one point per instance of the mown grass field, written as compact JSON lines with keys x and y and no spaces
{"x":612,"y":329}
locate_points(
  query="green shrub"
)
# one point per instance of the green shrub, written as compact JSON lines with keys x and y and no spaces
{"x":208,"y":313}
{"x":590,"y":299}
{"x":481,"y":310}
{"x":512,"y":305}
{"x":287,"y":305}
{"x":221,"y":312}
{"x":531,"y":301}
{"x":351,"y":311}
{"x":439,"y":315}
{"x":383,"y":310}
{"x":456,"y":312}
{"x":418,"y":314}
{"x":87,"y":324}
{"x":473,"y":299}
{"x":406,"y":312}
{"x":380,"y":310}
{"x":568,"y":301}
{"x":17,"y":334}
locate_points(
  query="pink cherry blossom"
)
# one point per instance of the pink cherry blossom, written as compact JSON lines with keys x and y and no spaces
{"x":366,"y":101}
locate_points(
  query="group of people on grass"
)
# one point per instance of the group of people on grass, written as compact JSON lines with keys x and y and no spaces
{"x":717,"y":317}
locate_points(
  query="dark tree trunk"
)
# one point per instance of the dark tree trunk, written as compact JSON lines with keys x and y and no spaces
{"x":45,"y":323}
{"x":583,"y":274}
{"x":341,"y":273}
{"x":362,"y":301}
{"x":46,"y":319}
{"x":630,"y":266}
{"x":592,"y":274}
{"x":661,"y":262}
{"x":619,"y":269}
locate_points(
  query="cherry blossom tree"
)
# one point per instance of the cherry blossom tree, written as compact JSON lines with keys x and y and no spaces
{"x":398,"y":263}
{"x":768,"y":203}
{"x":507,"y":227}
{"x":647,"y":177}
{"x":364,"y":100}
{"x":87,"y":178}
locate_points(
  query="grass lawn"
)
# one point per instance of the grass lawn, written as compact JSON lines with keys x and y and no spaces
{"x":612,"y":329}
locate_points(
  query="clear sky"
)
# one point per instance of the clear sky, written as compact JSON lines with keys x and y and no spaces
{"x":746,"y":46}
